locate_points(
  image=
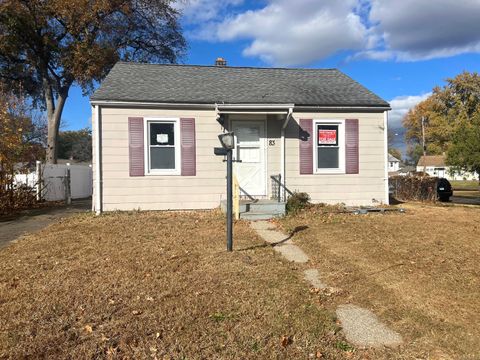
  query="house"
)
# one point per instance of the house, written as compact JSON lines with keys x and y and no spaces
{"x":435,"y":165}
{"x":155,"y":128}
{"x":406,"y":170}
{"x":393,"y":164}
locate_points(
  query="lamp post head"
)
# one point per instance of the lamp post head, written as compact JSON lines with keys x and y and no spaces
{"x":227,"y":140}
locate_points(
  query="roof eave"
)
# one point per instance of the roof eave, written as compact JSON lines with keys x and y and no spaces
{"x":223,"y":106}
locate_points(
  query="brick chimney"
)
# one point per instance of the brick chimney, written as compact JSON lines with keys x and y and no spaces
{"x":220,"y":62}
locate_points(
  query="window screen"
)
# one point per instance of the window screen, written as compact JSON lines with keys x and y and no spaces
{"x":327,"y":147}
{"x":162,"y":146}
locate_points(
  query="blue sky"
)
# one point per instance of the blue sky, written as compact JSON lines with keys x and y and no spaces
{"x":398,"y":49}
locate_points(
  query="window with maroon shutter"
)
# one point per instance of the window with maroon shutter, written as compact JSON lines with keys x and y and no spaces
{"x":351,"y":146}
{"x":329,"y":146}
{"x":306,"y":146}
{"x":136,"y":146}
{"x":188,"y":147}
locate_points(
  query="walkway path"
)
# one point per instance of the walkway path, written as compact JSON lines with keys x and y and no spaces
{"x":361,"y":327}
{"x":36,"y":219}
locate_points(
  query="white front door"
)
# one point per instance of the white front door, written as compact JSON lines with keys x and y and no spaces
{"x":250,"y":152}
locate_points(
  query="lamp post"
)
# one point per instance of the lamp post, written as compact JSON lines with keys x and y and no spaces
{"x":228,"y":144}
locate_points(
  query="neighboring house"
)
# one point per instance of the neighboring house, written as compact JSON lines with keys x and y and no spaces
{"x":434,"y":165}
{"x":393,"y":164}
{"x":155,"y":128}
{"x":406,"y":170}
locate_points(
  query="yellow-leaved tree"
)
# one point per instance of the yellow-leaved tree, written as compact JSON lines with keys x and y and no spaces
{"x":21,"y":144}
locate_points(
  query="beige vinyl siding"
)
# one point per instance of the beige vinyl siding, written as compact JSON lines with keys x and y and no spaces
{"x":207,"y":188}
{"x":160,"y":192}
{"x":274,"y":125}
{"x":365,"y":188}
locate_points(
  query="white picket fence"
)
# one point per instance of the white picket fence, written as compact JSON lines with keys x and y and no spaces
{"x":60,"y":182}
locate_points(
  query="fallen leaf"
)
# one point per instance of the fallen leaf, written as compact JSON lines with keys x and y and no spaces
{"x":285,"y":340}
{"x":88,"y":329}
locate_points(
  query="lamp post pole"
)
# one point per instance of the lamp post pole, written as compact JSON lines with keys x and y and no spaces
{"x":229,"y":202}
{"x":228,"y":144}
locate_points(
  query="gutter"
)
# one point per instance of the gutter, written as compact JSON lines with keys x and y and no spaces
{"x":282,"y":149}
{"x":227,"y":107}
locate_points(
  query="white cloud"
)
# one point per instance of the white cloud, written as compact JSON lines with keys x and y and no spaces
{"x":400,"y":106}
{"x":289,"y":32}
{"x":286,"y":32}
{"x":204,"y":11}
{"x":410,"y":30}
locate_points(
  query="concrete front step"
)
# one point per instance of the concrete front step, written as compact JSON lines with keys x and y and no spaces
{"x":254,"y":216}
{"x":259,"y":210}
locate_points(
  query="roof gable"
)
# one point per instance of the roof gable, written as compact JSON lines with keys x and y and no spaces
{"x":392,"y":158}
{"x":191,"y":84}
{"x":432,"y":160}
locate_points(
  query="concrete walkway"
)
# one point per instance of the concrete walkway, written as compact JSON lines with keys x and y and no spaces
{"x":361,"y":327}
{"x":36,"y":219}
{"x":281,"y":242}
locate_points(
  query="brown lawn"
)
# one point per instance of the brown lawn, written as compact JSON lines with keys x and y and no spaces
{"x":157,"y":286}
{"x":418,"y":271}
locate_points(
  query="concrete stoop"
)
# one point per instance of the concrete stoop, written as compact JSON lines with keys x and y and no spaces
{"x":258,"y":210}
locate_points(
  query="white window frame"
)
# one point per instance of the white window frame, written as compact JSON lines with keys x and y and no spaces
{"x":176,"y":130}
{"x":341,"y":146}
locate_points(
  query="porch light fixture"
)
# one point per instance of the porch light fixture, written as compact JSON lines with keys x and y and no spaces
{"x":227,"y":140}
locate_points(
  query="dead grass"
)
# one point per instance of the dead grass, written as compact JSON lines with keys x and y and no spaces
{"x":467,"y":194}
{"x":465,"y":185}
{"x":157,"y":285}
{"x":417,"y":271}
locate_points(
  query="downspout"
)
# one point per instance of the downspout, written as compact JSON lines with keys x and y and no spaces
{"x":282,"y":150}
{"x":385,"y":147}
{"x":98,"y":167}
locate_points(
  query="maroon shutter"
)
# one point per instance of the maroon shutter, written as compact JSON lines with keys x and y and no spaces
{"x":136,"y":146}
{"x":351,"y":146}
{"x":306,"y":146}
{"x":188,"y":150}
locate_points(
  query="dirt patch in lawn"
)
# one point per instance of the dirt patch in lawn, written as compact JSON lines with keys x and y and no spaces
{"x":157,"y":285}
{"x":417,"y":271}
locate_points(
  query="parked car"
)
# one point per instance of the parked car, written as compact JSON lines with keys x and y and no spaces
{"x":444,"y":189}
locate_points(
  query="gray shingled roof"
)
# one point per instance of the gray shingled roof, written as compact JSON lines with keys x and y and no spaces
{"x":392,"y":158}
{"x":233,"y":85}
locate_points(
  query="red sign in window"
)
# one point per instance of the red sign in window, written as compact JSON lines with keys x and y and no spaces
{"x":327,"y":137}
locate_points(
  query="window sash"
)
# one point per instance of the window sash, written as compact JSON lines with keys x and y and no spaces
{"x":148,"y":157}
{"x":340,"y":146}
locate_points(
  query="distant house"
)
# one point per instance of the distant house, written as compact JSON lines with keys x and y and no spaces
{"x":434,"y":165}
{"x":393,"y":163}
{"x":156,"y":126}
{"x":406,"y":170}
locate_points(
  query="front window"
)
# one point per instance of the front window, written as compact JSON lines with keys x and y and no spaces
{"x":329,"y":150}
{"x":163,"y":146}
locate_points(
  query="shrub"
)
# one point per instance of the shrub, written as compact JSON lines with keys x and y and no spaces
{"x":416,"y":187}
{"x":297,"y":201}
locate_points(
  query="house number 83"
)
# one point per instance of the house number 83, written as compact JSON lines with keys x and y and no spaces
{"x":271,"y":142}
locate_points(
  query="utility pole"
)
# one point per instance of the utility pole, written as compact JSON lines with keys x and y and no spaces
{"x":424,"y":146}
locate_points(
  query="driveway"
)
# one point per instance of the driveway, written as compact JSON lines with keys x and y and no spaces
{"x":33,"y":220}
{"x":465,"y":197}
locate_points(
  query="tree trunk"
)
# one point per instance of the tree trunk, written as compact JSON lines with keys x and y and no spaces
{"x":54,"y":116}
